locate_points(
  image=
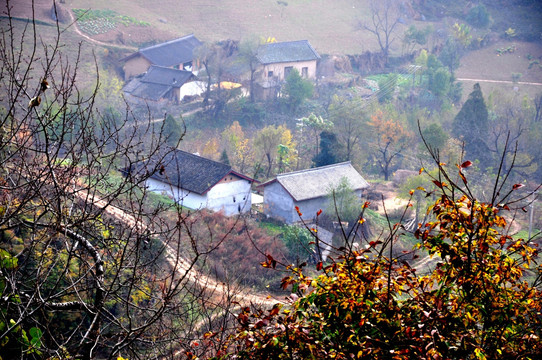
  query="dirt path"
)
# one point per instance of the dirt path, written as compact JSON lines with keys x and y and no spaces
{"x":73,"y":23}
{"x":501,"y":81}
{"x":390,"y":202}
{"x":183,"y":267}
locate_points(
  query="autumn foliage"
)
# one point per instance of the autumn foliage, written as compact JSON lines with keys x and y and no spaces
{"x":236,"y":248}
{"x":482,"y":300}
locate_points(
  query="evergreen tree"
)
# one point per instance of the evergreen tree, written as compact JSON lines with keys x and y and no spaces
{"x":471,"y":125}
{"x":173,"y":130}
{"x":330,"y":150}
{"x":224,"y":159}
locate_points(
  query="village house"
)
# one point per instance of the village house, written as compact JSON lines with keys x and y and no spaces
{"x":278,"y":59}
{"x":177,"y":54}
{"x":308,"y":190}
{"x":161,"y":84}
{"x":197,"y":183}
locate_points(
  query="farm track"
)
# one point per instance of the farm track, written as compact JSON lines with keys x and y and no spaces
{"x":501,"y":81}
{"x":184,"y":267}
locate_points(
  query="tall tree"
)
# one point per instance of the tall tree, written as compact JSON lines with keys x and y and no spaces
{"x":471,"y":125}
{"x":309,"y":131}
{"x":331,"y":151}
{"x":349,"y":121}
{"x":271,"y":140}
{"x":383,"y":23}
{"x":173,"y":130}
{"x":389,"y":139}
{"x":238,"y":146}
{"x":248,"y":54}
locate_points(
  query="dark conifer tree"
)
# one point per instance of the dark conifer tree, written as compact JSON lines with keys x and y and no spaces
{"x":471,"y":125}
{"x":224,"y":159}
{"x":331,"y":151}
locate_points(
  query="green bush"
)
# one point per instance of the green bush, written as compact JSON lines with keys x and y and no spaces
{"x":478,"y":16}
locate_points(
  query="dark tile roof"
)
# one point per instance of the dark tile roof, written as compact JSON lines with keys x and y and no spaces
{"x":157,"y":82}
{"x":170,"y":53}
{"x":166,"y":76}
{"x":289,"y":51}
{"x":189,"y":172}
{"x":148,"y":91}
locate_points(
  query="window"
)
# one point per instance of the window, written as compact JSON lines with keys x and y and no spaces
{"x":305,"y":72}
{"x":234,"y":199}
{"x":287,"y":71}
{"x":269,"y":74}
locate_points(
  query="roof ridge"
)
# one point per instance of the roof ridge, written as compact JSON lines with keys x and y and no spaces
{"x":202,"y":158}
{"x":312,"y":169}
{"x":167,"y":42}
{"x":160,"y":67}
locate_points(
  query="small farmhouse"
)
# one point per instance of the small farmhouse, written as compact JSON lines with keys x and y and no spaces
{"x":176,"y":54}
{"x":196,"y":182}
{"x":308,"y":190}
{"x":278,"y":59}
{"x":159,"y":84}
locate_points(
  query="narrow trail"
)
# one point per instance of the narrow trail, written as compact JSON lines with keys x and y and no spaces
{"x":73,"y":23}
{"x":184,"y":267}
{"x":501,"y":81}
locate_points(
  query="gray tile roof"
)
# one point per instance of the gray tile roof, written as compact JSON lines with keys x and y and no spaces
{"x":188,"y":171}
{"x":166,"y":76}
{"x":289,"y":51}
{"x":170,"y":53}
{"x":149,"y":91}
{"x":317,"y":182}
{"x":157,"y":82}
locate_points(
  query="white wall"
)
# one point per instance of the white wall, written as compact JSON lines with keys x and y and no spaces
{"x":185,"y":198}
{"x":278,"y":69}
{"x":220,"y":197}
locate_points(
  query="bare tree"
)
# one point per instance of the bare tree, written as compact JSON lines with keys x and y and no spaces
{"x":248,"y":54}
{"x":383,"y":23}
{"x":89,"y":262}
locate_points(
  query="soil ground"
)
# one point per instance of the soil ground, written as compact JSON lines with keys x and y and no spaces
{"x":486,"y":64}
{"x":23,"y":9}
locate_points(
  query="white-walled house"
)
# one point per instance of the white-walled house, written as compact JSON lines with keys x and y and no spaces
{"x":177,"y":54}
{"x":159,"y":84}
{"x":278,"y":59}
{"x":308,"y":190}
{"x":196,"y":182}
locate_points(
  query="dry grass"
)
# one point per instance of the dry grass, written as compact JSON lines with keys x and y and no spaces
{"x":331,"y":26}
{"x":486,"y":64}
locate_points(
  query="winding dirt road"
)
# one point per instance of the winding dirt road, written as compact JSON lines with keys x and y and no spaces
{"x":184,"y":267}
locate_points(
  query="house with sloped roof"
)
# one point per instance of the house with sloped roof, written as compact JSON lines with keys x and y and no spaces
{"x":308,"y":190}
{"x":197,"y":183}
{"x":278,"y":59}
{"x":159,"y":83}
{"x":177,"y":54}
